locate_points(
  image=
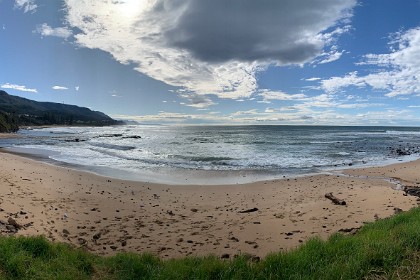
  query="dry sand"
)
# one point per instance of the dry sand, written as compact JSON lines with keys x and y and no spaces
{"x":9,"y":135}
{"x":107,"y":215}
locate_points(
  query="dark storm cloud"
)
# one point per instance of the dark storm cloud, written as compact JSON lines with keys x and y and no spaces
{"x":210,"y":47}
{"x":250,"y":30}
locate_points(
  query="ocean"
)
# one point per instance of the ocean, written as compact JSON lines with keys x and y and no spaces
{"x":216,"y":154}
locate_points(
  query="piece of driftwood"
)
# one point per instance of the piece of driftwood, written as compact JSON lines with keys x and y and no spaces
{"x":334,"y":199}
{"x":249,"y":210}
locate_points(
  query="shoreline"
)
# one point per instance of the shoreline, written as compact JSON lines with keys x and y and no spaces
{"x":106,"y":215}
{"x":181,"y":177}
{"x":111,"y":152}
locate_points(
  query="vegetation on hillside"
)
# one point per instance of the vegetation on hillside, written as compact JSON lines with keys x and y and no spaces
{"x":386,"y":249}
{"x":29,"y":112}
{"x":8,"y":123}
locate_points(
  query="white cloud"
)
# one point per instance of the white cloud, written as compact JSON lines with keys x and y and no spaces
{"x":196,"y":100}
{"x":26,"y":5}
{"x":334,"y":84}
{"x":396,"y":73}
{"x":331,"y":56}
{"x":46,"y":30}
{"x":77,"y":88}
{"x":246,"y":113}
{"x":268,"y":95}
{"x":59,"y":88}
{"x":358,"y":105}
{"x":18,"y":87}
{"x":172,"y":40}
{"x":302,"y":114}
{"x":313,"y":79}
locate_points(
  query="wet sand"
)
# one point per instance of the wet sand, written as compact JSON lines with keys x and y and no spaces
{"x":106,"y":215}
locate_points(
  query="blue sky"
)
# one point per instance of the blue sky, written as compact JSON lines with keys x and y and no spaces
{"x":335,"y":62}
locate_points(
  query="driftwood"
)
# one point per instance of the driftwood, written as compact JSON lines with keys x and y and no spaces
{"x":249,"y":210}
{"x":334,"y":199}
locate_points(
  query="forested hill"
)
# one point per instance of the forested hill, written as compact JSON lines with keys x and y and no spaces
{"x":8,"y":123}
{"x":32,"y":113}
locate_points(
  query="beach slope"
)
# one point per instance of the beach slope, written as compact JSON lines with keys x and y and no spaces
{"x":106,"y":215}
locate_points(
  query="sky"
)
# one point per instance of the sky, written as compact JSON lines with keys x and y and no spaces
{"x":294,"y":62}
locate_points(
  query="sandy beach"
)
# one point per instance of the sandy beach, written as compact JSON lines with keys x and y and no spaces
{"x":106,"y":215}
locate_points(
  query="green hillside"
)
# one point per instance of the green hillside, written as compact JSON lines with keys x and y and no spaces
{"x":29,"y":112}
{"x":8,"y":123}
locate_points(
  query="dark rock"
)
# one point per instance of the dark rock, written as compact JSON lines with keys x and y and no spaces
{"x":66,"y":232}
{"x":111,"y":135}
{"x":13,"y":222}
{"x":412,"y":190}
{"x":161,"y":249}
{"x":397,"y":210}
{"x":225,"y":256}
{"x":97,"y":236}
{"x":132,"y":137}
{"x":11,"y":228}
{"x":82,"y":241}
{"x":349,"y":230}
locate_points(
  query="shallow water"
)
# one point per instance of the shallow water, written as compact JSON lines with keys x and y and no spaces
{"x":217,"y":154}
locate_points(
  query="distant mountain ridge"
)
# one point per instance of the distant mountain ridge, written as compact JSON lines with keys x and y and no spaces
{"x":30,"y":112}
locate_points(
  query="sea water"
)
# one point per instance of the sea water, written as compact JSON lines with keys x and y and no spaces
{"x":217,"y":154}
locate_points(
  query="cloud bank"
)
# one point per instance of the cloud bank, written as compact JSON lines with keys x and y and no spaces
{"x":46,"y":30}
{"x":210,"y":46}
{"x":396,"y":73}
{"x":18,"y":87}
{"x":26,"y":5}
